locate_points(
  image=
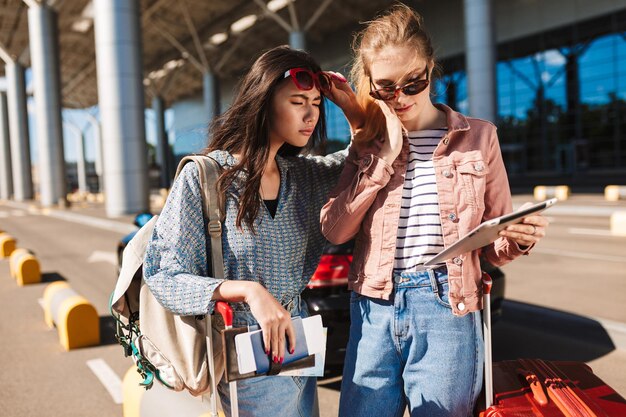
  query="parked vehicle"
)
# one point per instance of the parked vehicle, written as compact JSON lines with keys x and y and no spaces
{"x":327,"y":293}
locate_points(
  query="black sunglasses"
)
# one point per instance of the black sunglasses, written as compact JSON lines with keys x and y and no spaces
{"x":389,"y":92}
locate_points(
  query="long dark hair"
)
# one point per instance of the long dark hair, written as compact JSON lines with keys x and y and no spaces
{"x":245,"y":127}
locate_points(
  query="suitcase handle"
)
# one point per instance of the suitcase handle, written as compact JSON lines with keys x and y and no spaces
{"x":226,"y":311}
{"x":535,"y":386}
{"x":487,"y":283}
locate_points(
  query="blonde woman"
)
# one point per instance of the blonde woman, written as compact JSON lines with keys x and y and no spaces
{"x":418,"y":177}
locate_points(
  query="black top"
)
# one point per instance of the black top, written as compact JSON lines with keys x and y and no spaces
{"x":271,"y":205}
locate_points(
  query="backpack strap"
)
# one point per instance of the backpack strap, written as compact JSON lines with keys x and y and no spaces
{"x":209,"y":171}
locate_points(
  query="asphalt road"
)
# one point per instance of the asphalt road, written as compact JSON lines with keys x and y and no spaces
{"x":559,"y":301}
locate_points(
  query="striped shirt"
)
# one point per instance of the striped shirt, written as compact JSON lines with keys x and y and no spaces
{"x":419,"y":229}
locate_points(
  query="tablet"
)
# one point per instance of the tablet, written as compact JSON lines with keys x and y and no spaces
{"x":487,"y":232}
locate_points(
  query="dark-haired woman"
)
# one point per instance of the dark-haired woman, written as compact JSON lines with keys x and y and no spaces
{"x":271,"y":234}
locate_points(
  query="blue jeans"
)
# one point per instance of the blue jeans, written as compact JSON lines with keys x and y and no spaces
{"x":412,"y":351}
{"x":273,"y":395}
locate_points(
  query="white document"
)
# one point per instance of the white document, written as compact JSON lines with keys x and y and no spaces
{"x":317,"y":369}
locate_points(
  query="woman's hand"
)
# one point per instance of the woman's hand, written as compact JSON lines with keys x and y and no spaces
{"x":274,"y":320}
{"x":392,"y":143}
{"x":342,"y":95}
{"x":529,"y":231}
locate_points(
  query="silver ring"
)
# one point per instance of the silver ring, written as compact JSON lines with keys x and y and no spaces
{"x":534,"y":230}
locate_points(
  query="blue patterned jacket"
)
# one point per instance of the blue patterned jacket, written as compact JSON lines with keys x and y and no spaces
{"x":282,"y":255}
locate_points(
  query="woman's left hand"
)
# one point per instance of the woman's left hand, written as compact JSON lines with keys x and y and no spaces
{"x":342,"y":95}
{"x":529,"y":231}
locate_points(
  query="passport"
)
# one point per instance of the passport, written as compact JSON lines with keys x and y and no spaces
{"x":262,"y":360}
{"x":250,"y":350}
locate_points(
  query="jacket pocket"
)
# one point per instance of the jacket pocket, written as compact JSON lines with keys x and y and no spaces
{"x":473,"y":178}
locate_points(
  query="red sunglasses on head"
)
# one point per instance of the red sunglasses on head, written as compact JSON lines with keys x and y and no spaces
{"x":306,"y":79}
{"x":389,"y":92}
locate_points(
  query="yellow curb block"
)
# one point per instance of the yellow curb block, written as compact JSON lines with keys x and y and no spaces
{"x":618,"y":223}
{"x":543,"y":192}
{"x":615,"y":192}
{"x":7,"y":245}
{"x":159,"y":400}
{"x":76,"y":320}
{"x":24,"y":267}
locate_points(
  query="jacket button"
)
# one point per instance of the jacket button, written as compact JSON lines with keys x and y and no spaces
{"x":478,"y":167}
{"x":457,"y":261}
{"x":365,"y":162}
{"x":447,"y":173}
{"x":445,"y":141}
{"x":452,"y":216}
{"x":460,"y":306}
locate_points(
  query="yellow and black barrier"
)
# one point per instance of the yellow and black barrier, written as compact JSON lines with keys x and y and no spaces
{"x":159,"y":400}
{"x":75,"y":318}
{"x":7,"y":245}
{"x":615,"y":192}
{"x":24,"y":267}
{"x":543,"y":192}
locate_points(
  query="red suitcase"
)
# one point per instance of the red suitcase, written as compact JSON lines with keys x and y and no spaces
{"x":533,"y":387}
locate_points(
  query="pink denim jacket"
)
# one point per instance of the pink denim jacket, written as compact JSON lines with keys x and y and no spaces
{"x":472,"y":185}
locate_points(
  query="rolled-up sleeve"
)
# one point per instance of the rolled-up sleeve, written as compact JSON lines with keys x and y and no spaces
{"x":175,"y":267}
{"x":357,"y":188}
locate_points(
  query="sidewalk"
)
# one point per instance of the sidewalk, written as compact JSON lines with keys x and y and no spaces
{"x":88,"y":213}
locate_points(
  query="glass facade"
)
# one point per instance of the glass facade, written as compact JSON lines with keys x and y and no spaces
{"x":561,"y":99}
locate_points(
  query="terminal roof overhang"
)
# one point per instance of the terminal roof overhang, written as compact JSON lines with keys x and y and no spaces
{"x":173,"y":33}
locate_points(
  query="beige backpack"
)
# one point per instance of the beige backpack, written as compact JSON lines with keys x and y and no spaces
{"x":182,"y":352}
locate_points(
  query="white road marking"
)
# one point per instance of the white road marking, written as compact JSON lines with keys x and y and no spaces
{"x":580,"y":255}
{"x":4,"y":214}
{"x":102,"y":256}
{"x":18,"y":213}
{"x":589,"y":232}
{"x":107,"y":377}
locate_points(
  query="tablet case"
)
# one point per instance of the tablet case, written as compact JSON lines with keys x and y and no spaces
{"x":486,"y":233}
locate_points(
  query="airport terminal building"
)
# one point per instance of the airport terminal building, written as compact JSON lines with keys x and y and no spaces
{"x":551,"y":74}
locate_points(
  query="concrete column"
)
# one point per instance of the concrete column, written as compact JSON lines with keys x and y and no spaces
{"x":211,"y":95}
{"x":120,"y":92}
{"x":44,"y":52}
{"x":6,"y":177}
{"x":162,"y":146}
{"x":297,"y":40}
{"x":480,"y":59}
{"x":18,"y":130}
